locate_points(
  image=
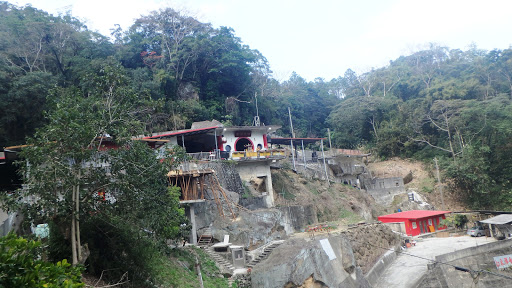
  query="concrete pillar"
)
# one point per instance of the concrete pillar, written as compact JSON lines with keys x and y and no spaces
{"x":490,"y":229}
{"x":269,"y":188}
{"x":193,"y":232}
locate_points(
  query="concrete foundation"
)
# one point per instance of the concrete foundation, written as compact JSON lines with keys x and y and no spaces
{"x":258,"y":169}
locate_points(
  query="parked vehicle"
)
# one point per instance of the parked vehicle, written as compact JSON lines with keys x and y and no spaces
{"x":476,"y":231}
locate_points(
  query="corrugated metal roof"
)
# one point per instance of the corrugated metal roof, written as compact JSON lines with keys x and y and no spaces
{"x":500,"y":219}
{"x":414,"y":214}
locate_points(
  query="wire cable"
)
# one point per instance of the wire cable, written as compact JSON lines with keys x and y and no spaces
{"x":459,"y":268}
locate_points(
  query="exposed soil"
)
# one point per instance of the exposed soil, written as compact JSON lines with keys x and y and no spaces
{"x":333,"y":201}
{"x":347,"y":205}
{"x":424,"y":181}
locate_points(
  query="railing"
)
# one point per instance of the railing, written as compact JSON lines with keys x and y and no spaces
{"x":203,"y":156}
{"x":264,"y":154}
{"x":237,"y":155}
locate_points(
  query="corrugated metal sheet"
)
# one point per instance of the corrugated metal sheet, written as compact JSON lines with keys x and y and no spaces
{"x":500,"y":219}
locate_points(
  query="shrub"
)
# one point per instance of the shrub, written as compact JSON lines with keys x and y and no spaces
{"x":21,"y":266}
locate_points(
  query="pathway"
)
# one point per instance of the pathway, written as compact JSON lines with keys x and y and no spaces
{"x":406,"y":270}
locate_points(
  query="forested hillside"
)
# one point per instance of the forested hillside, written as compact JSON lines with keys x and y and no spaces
{"x":450,"y":104}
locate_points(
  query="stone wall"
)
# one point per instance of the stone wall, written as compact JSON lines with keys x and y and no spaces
{"x":384,"y":189}
{"x":370,"y":242}
{"x":252,"y":229}
{"x":478,"y":258}
{"x":226,"y":173}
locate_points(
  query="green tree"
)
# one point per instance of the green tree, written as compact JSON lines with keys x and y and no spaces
{"x":71,"y":172}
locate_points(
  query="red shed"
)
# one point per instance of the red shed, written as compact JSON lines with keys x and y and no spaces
{"x":417,"y":222}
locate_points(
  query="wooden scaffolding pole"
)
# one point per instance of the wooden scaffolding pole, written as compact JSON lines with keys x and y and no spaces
{"x":225,"y":196}
{"x":217,"y":200}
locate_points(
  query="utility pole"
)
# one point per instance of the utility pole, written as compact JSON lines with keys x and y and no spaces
{"x":291,"y":140}
{"x":439,"y":184}
{"x":323,"y":156}
{"x":257,"y":117}
{"x":291,"y":124}
{"x":329,"y":134}
{"x":330,"y":146}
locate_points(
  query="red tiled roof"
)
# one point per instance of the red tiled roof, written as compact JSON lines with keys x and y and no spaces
{"x":183,"y":132}
{"x":414,"y":214}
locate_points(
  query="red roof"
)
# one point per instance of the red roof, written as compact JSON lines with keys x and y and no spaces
{"x":414,"y":214}
{"x":183,"y":132}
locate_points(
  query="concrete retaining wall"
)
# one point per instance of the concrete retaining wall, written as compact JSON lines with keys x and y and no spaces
{"x":475,"y":258}
{"x":251,"y":170}
{"x":474,"y":250}
{"x":380,"y":267}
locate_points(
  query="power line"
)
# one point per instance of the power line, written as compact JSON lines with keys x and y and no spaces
{"x":471,"y":271}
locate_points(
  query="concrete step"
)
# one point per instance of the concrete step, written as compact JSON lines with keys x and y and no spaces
{"x":264,"y":255}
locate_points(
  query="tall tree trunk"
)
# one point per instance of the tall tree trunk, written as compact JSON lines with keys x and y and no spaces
{"x":73,"y":231}
{"x":77,"y":219}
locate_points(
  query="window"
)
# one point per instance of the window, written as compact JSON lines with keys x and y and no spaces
{"x":429,"y":222}
{"x":414,"y":225}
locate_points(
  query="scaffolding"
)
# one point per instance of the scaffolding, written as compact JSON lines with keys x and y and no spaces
{"x":194,"y":185}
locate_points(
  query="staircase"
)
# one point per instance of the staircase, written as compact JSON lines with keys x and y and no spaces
{"x":206,"y":238}
{"x":224,"y":266}
{"x":264,"y":255}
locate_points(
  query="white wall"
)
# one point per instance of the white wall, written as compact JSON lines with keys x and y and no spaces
{"x":256,"y":138}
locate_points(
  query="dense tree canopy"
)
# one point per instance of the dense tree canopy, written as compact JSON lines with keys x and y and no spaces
{"x":438,"y":102}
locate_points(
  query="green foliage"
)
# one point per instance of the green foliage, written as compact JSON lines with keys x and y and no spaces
{"x":460,"y":221}
{"x":442,"y":103}
{"x":58,"y":247}
{"x":349,"y":216}
{"x":73,"y":153}
{"x":21,"y":266}
{"x":118,"y":247}
{"x":177,"y":269}
{"x":281,"y":186}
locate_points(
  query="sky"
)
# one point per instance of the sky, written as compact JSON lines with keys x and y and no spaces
{"x":322,"y":38}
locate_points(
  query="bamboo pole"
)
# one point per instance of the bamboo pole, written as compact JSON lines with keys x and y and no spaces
{"x":225,"y":196}
{"x":201,"y":185}
{"x":217,"y":200}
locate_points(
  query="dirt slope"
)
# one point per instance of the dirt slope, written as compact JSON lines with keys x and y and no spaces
{"x":423,"y":181}
{"x":332,"y":201}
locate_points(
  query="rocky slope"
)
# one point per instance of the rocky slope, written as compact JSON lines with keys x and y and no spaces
{"x":333,"y":202}
{"x":305,"y":261}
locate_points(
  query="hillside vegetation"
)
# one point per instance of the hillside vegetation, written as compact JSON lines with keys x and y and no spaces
{"x":439,"y":102}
